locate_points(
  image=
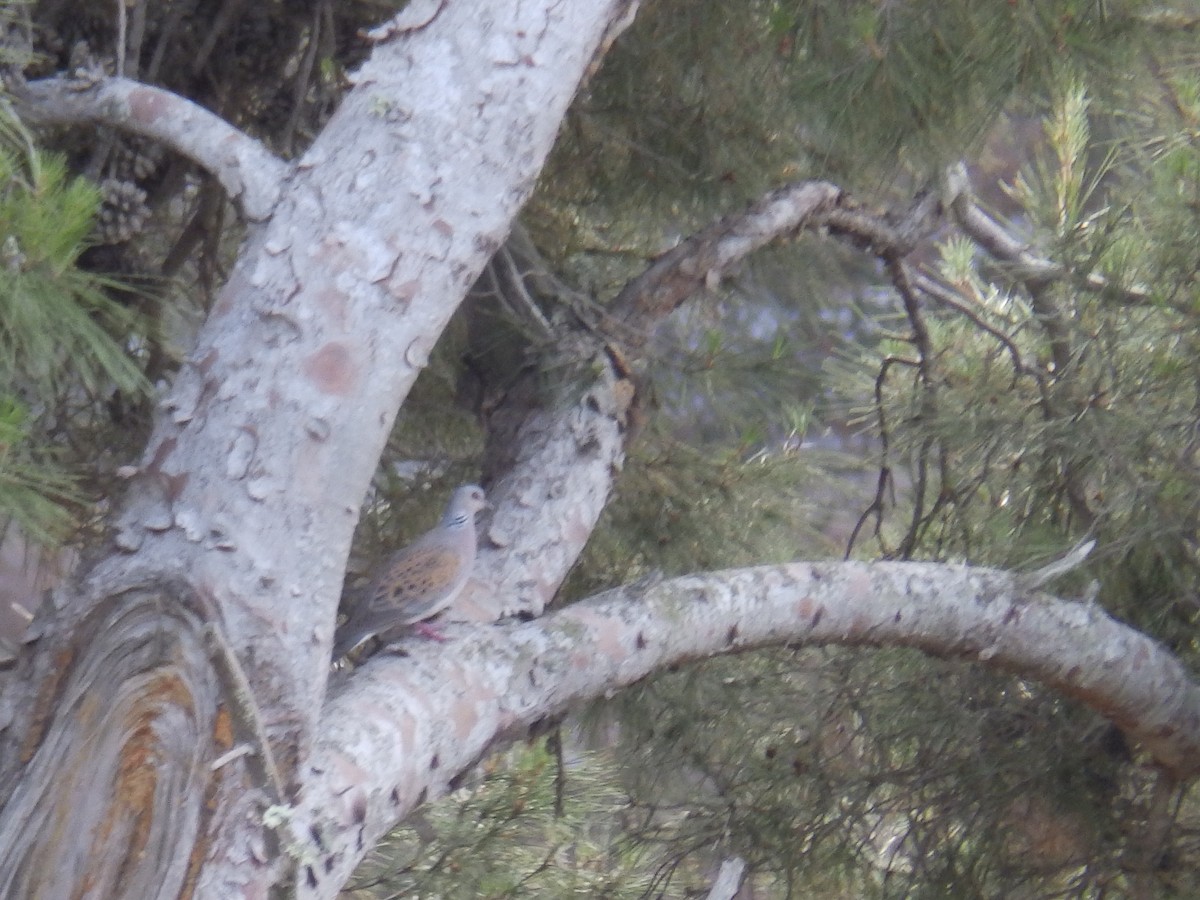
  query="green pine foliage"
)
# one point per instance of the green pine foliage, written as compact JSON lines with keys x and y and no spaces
{"x":524,"y":829}
{"x":889,"y":774}
{"x":35,"y":493}
{"x":885,"y":774}
{"x":1025,"y":456}
{"x":1014,"y":450}
{"x":681,"y":509}
{"x":60,"y":325}
{"x":63,"y":336}
{"x":833,"y":773}
{"x":701,"y":106}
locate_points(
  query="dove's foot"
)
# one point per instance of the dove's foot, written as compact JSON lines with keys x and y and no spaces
{"x":429,"y":631}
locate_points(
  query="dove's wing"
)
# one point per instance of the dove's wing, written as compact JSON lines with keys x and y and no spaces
{"x":418,"y":585}
{"x":419,"y":581}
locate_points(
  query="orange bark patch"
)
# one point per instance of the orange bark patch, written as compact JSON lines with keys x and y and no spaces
{"x":223,"y":730}
{"x":404,"y":291}
{"x":332,"y":369}
{"x":175,"y":485}
{"x":208,"y":361}
{"x":133,"y":797}
{"x":165,"y":448}
{"x":45,"y":704}
{"x":137,"y":768}
{"x":195,"y":859}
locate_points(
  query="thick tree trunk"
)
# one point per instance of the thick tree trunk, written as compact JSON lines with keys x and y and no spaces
{"x":170,"y":734}
{"x":230,"y":548}
{"x":107,"y":770}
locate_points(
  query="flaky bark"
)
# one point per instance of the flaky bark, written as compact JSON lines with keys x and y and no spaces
{"x":175,"y":701}
{"x":403,"y":728}
{"x":250,"y":486}
{"x":406,"y":727}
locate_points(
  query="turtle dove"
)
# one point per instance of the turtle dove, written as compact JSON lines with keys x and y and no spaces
{"x":420,"y":581}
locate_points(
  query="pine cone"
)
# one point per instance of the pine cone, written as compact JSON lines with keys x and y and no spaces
{"x":123,"y":212}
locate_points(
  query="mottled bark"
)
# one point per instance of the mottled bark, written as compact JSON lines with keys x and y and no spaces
{"x":169,"y":733}
{"x":400,"y":730}
{"x":249,"y":489}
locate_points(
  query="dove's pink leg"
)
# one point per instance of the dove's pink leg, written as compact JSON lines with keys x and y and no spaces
{"x":428,"y":631}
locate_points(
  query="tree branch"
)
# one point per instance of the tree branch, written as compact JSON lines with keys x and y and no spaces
{"x":729,"y":879}
{"x":568,"y":455}
{"x":1026,"y":265}
{"x":548,"y":504}
{"x":267,"y":437}
{"x":250,"y":174}
{"x":704,"y":258}
{"x":405,"y":727}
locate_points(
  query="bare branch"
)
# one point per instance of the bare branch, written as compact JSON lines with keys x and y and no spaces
{"x":729,"y":879}
{"x":948,"y":297}
{"x":703,"y":259}
{"x":1026,"y":265}
{"x":886,"y":236}
{"x":250,"y":174}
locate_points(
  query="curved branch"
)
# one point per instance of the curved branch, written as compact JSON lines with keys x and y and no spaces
{"x":404,"y":727}
{"x":250,"y":174}
{"x":704,"y":258}
{"x":551,"y":497}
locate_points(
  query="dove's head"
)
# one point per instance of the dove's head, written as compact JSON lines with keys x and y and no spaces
{"x":464,"y":503}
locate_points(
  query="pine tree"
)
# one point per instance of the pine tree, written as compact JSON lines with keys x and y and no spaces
{"x":984,"y":364}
